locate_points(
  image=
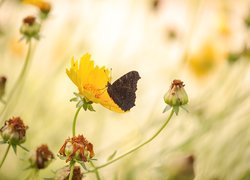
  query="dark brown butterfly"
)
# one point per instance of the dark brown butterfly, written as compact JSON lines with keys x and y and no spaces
{"x":122,"y":91}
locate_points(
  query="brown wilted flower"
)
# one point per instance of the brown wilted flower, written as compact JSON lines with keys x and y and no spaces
{"x":14,"y":131}
{"x":63,"y":174}
{"x":30,"y":20}
{"x":42,"y":157}
{"x":3,"y":80}
{"x":77,"y":148}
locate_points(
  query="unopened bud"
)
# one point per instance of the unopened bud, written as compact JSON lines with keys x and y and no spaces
{"x":2,"y":86}
{"x":30,"y":28}
{"x":176,"y":95}
{"x":45,"y":8}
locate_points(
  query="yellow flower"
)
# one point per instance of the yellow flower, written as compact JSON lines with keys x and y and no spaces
{"x":42,"y":5}
{"x":92,"y":81}
{"x":206,"y":59}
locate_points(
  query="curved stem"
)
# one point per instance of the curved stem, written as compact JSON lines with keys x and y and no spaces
{"x":95,"y":170}
{"x":5,"y":155}
{"x":71,"y":171}
{"x":20,"y":79}
{"x":74,"y":121}
{"x":138,"y":147}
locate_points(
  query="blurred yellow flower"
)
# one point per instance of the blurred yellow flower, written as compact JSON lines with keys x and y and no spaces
{"x":206,"y":59}
{"x":43,"y":5}
{"x":223,"y":25}
{"x":92,"y":81}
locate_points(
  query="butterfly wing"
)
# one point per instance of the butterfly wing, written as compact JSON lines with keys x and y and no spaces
{"x":122,"y":91}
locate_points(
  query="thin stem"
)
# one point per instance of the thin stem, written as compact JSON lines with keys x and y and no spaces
{"x":71,"y":171}
{"x":95,"y":170}
{"x":3,"y":101}
{"x":138,"y":147}
{"x":1,"y":2}
{"x":74,"y":121}
{"x":20,"y":78}
{"x":5,"y":155}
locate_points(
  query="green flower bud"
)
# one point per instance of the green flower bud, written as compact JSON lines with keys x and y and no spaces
{"x":45,"y":9}
{"x":2,"y":86}
{"x":14,"y":131}
{"x":30,"y":28}
{"x":176,"y":95}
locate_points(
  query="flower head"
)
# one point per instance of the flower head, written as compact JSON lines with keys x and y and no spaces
{"x":42,"y":157}
{"x":30,"y":28}
{"x":44,"y":7}
{"x":176,"y":95}
{"x":92,"y":81}
{"x":77,"y":148}
{"x":3,"y":80}
{"x":14,"y":131}
{"x":63,"y":173}
{"x":206,"y":59}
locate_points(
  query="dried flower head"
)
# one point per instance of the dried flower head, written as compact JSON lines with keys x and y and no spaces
{"x":14,"y":131}
{"x":30,"y":28}
{"x":176,"y":95}
{"x":180,"y":167}
{"x":63,"y":174}
{"x":30,"y":20}
{"x":3,"y":80}
{"x":92,"y":81}
{"x":42,"y":157}
{"x":77,"y":148}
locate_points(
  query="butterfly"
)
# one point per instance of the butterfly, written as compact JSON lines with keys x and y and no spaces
{"x":122,"y":91}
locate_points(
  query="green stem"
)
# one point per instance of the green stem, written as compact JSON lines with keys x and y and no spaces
{"x":138,"y":147}
{"x":20,"y":79}
{"x":95,"y":170}
{"x":71,"y":171}
{"x":74,"y":121}
{"x":5,"y":155}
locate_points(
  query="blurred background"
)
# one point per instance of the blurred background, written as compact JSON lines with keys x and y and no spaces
{"x":204,"y":43}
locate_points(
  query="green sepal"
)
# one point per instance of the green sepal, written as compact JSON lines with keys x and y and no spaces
{"x":61,"y":157}
{"x":82,"y":164}
{"x":24,"y":148}
{"x":176,"y":109}
{"x":14,"y":148}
